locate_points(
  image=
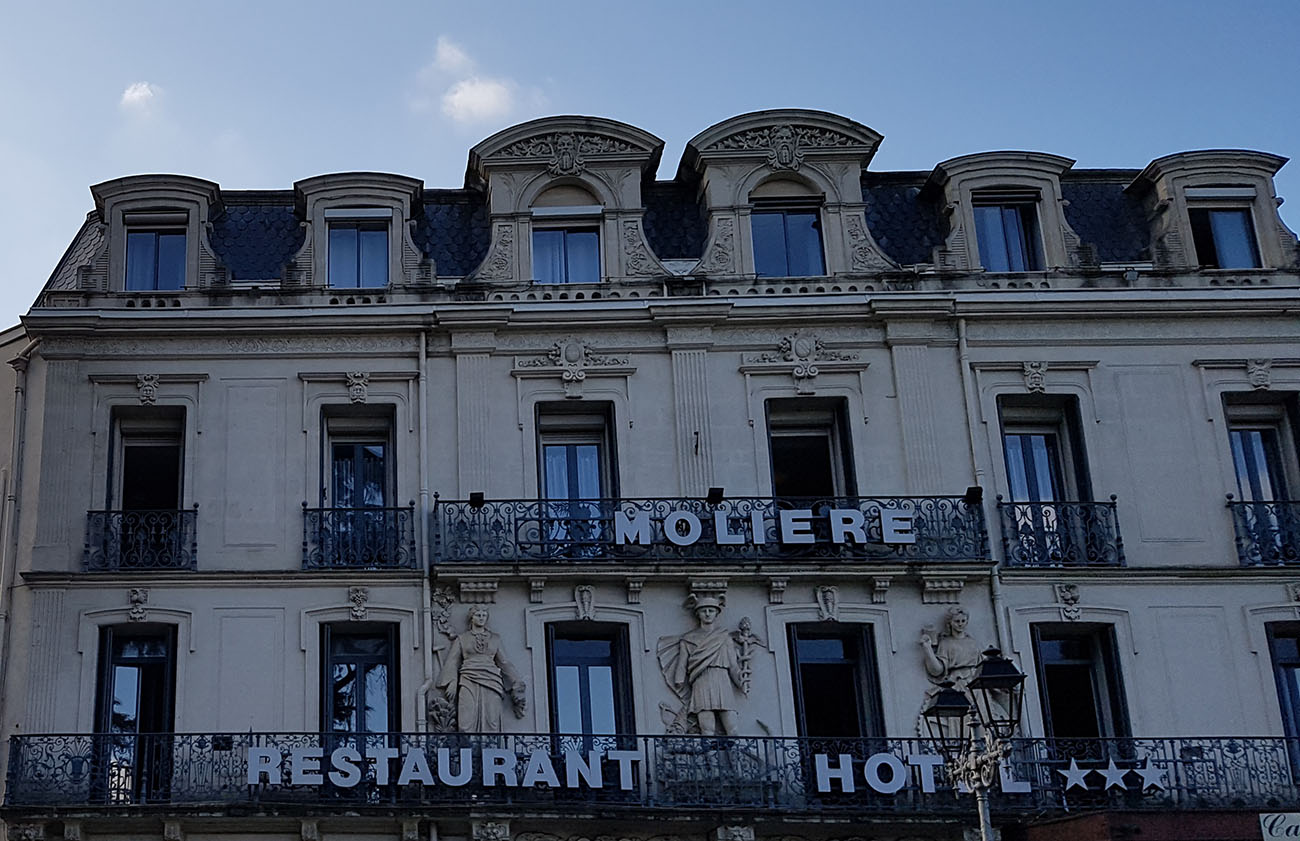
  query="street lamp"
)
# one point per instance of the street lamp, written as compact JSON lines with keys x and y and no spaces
{"x":998,"y":689}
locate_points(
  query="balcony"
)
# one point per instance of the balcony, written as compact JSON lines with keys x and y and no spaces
{"x":121,"y":774}
{"x":359,"y":538}
{"x":128,"y":540}
{"x":742,"y":529}
{"x":1268,"y":533}
{"x":1061,"y":534}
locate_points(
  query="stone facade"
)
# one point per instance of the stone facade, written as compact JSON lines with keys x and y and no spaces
{"x":253,"y":513}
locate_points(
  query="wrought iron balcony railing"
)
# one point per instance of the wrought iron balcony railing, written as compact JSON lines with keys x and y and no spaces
{"x":549,"y":773}
{"x":1268,"y":533}
{"x":1069,"y":534}
{"x":117,"y":540}
{"x":358,"y":538}
{"x":748,"y":529}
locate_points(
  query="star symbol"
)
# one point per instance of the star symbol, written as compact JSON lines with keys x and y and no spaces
{"x":1114,"y":776}
{"x":1074,"y":775}
{"x":1151,"y":776}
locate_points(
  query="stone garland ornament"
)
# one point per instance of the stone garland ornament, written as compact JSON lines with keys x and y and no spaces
{"x":138,"y":597}
{"x":565,"y":152}
{"x":572,"y":357}
{"x":1067,"y":596}
{"x":148,"y":387}
{"x":584,"y":601}
{"x":476,"y":675}
{"x":828,"y":603}
{"x":439,"y":711}
{"x":358,"y":596}
{"x":802,"y":351}
{"x":358,"y":383}
{"x":1035,"y":374}
{"x":1259,"y":373}
{"x":704,"y":667}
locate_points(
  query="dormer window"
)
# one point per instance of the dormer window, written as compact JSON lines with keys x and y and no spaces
{"x":358,"y":247}
{"x":787,"y":240}
{"x":566,"y":236}
{"x":155,"y":258}
{"x":1006,"y":229}
{"x":1224,"y":237}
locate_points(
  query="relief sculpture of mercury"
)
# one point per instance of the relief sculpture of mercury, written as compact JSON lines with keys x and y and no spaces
{"x":704,"y":667}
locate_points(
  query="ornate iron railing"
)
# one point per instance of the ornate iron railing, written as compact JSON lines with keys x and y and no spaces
{"x":943,"y":528}
{"x":635,"y":773}
{"x":1268,"y":533}
{"x":1050,"y":534}
{"x":117,"y":540}
{"x":358,"y":538}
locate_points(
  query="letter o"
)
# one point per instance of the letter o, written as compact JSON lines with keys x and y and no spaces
{"x":897,"y":773}
{"x":693,"y":528}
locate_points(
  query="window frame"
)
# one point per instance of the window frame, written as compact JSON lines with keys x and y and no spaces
{"x":867,"y":697}
{"x":624,"y":701}
{"x":567,"y":219}
{"x":343,"y":426}
{"x":1027,"y":204}
{"x":359,"y":219}
{"x":1054,"y":415}
{"x":1278,"y":413}
{"x":566,"y":424}
{"x":822,"y":416}
{"x":150,"y":748}
{"x":144,"y":426}
{"x":785,"y":207}
{"x":1211,"y":207}
{"x":157,"y":231}
{"x":1112,"y":716}
{"x":394,"y":689}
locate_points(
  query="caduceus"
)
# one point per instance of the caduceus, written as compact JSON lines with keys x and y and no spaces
{"x":745,"y":639}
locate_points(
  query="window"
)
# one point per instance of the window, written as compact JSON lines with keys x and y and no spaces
{"x":360,"y":688}
{"x":360,"y":463}
{"x":1006,"y":229}
{"x":1262,"y":438}
{"x":358,"y":253}
{"x":808,"y":443}
{"x":155,"y":260}
{"x":566,"y":255}
{"x":576,"y":472}
{"x":1079,"y":681}
{"x":149,"y":455}
{"x":590,"y":681}
{"x":837,"y":691}
{"x":787,"y":241}
{"x":358,"y":524}
{"x":1284,"y":648}
{"x":1042,"y":446}
{"x":1224,"y":238}
{"x":134,"y":707}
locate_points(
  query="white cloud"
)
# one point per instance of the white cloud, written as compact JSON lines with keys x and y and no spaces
{"x":477,"y":100}
{"x":449,"y":57}
{"x":139,"y":97}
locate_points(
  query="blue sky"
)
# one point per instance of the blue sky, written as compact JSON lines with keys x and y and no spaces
{"x":260,"y":94}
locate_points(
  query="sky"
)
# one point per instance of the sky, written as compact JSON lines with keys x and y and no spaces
{"x":257,"y":95}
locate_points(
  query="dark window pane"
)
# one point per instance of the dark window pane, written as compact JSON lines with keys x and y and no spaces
{"x":827,"y":690}
{"x":1072,"y":700}
{"x":802,"y":465}
{"x":343,"y":257}
{"x":171,"y":261}
{"x":151,"y":477}
{"x":1234,"y":239}
{"x":1203,"y":238}
{"x":804,"y":244}
{"x":769,"y":244}
{"x":583,"y":257}
{"x":360,"y":693}
{"x":373,"y":259}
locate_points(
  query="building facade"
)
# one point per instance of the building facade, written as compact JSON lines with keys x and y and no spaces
{"x":574,"y":500}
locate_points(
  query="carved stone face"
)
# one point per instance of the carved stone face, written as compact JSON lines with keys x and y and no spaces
{"x":478,"y":617}
{"x":707,"y":614}
{"x":957,"y":621}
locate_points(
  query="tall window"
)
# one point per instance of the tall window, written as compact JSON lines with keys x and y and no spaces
{"x":566,"y":255}
{"x":1284,"y":648}
{"x":1006,"y":230}
{"x":787,"y":240}
{"x":1079,"y":681}
{"x":149,"y":459}
{"x":1043,"y":449}
{"x":808,"y":442}
{"x":836,"y":684}
{"x":358,"y":523}
{"x":360,"y":689}
{"x":1263,"y":441}
{"x":576,"y":472}
{"x":358,"y":254}
{"x":134,"y":707}
{"x":1224,"y":238}
{"x":155,"y":260}
{"x":591,"y":690}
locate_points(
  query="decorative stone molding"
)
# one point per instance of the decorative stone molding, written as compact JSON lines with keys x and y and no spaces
{"x":638,"y":261}
{"x":490,"y":830}
{"x":1067,"y":596}
{"x":565,"y":153}
{"x":410,"y":829}
{"x":25,"y":831}
{"x":732,"y":833}
{"x":864,"y":253}
{"x":1035,"y":374}
{"x":147,"y":385}
{"x":634,"y":586}
{"x":1293,"y":591}
{"x":483,"y":591}
{"x":358,"y":383}
{"x":828,"y":602}
{"x":357,"y":597}
{"x":803,"y":355}
{"x":172,"y":831}
{"x":584,"y":603}
{"x":708,"y":588}
{"x":880,"y":588}
{"x":776,"y":590}
{"x":138,"y":597}
{"x":72,"y":831}
{"x":572,"y":359}
{"x":309,"y":831}
{"x":1259,"y":373}
{"x":941,"y":590}
{"x":720,"y":252}
{"x":536,"y":586}
{"x":500,"y":262}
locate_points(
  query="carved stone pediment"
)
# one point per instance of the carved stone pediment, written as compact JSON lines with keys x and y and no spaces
{"x":804,"y":356}
{"x":572,"y":359}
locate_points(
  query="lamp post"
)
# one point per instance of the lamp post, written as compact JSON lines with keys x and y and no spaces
{"x":959,"y":728}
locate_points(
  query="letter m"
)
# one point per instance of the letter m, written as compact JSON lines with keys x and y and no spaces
{"x":634,"y":530}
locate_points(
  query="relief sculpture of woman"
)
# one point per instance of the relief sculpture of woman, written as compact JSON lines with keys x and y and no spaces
{"x":475,"y":675}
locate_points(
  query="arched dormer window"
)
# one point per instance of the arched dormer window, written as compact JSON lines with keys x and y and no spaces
{"x":566,"y":221}
{"x":786,"y":225}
